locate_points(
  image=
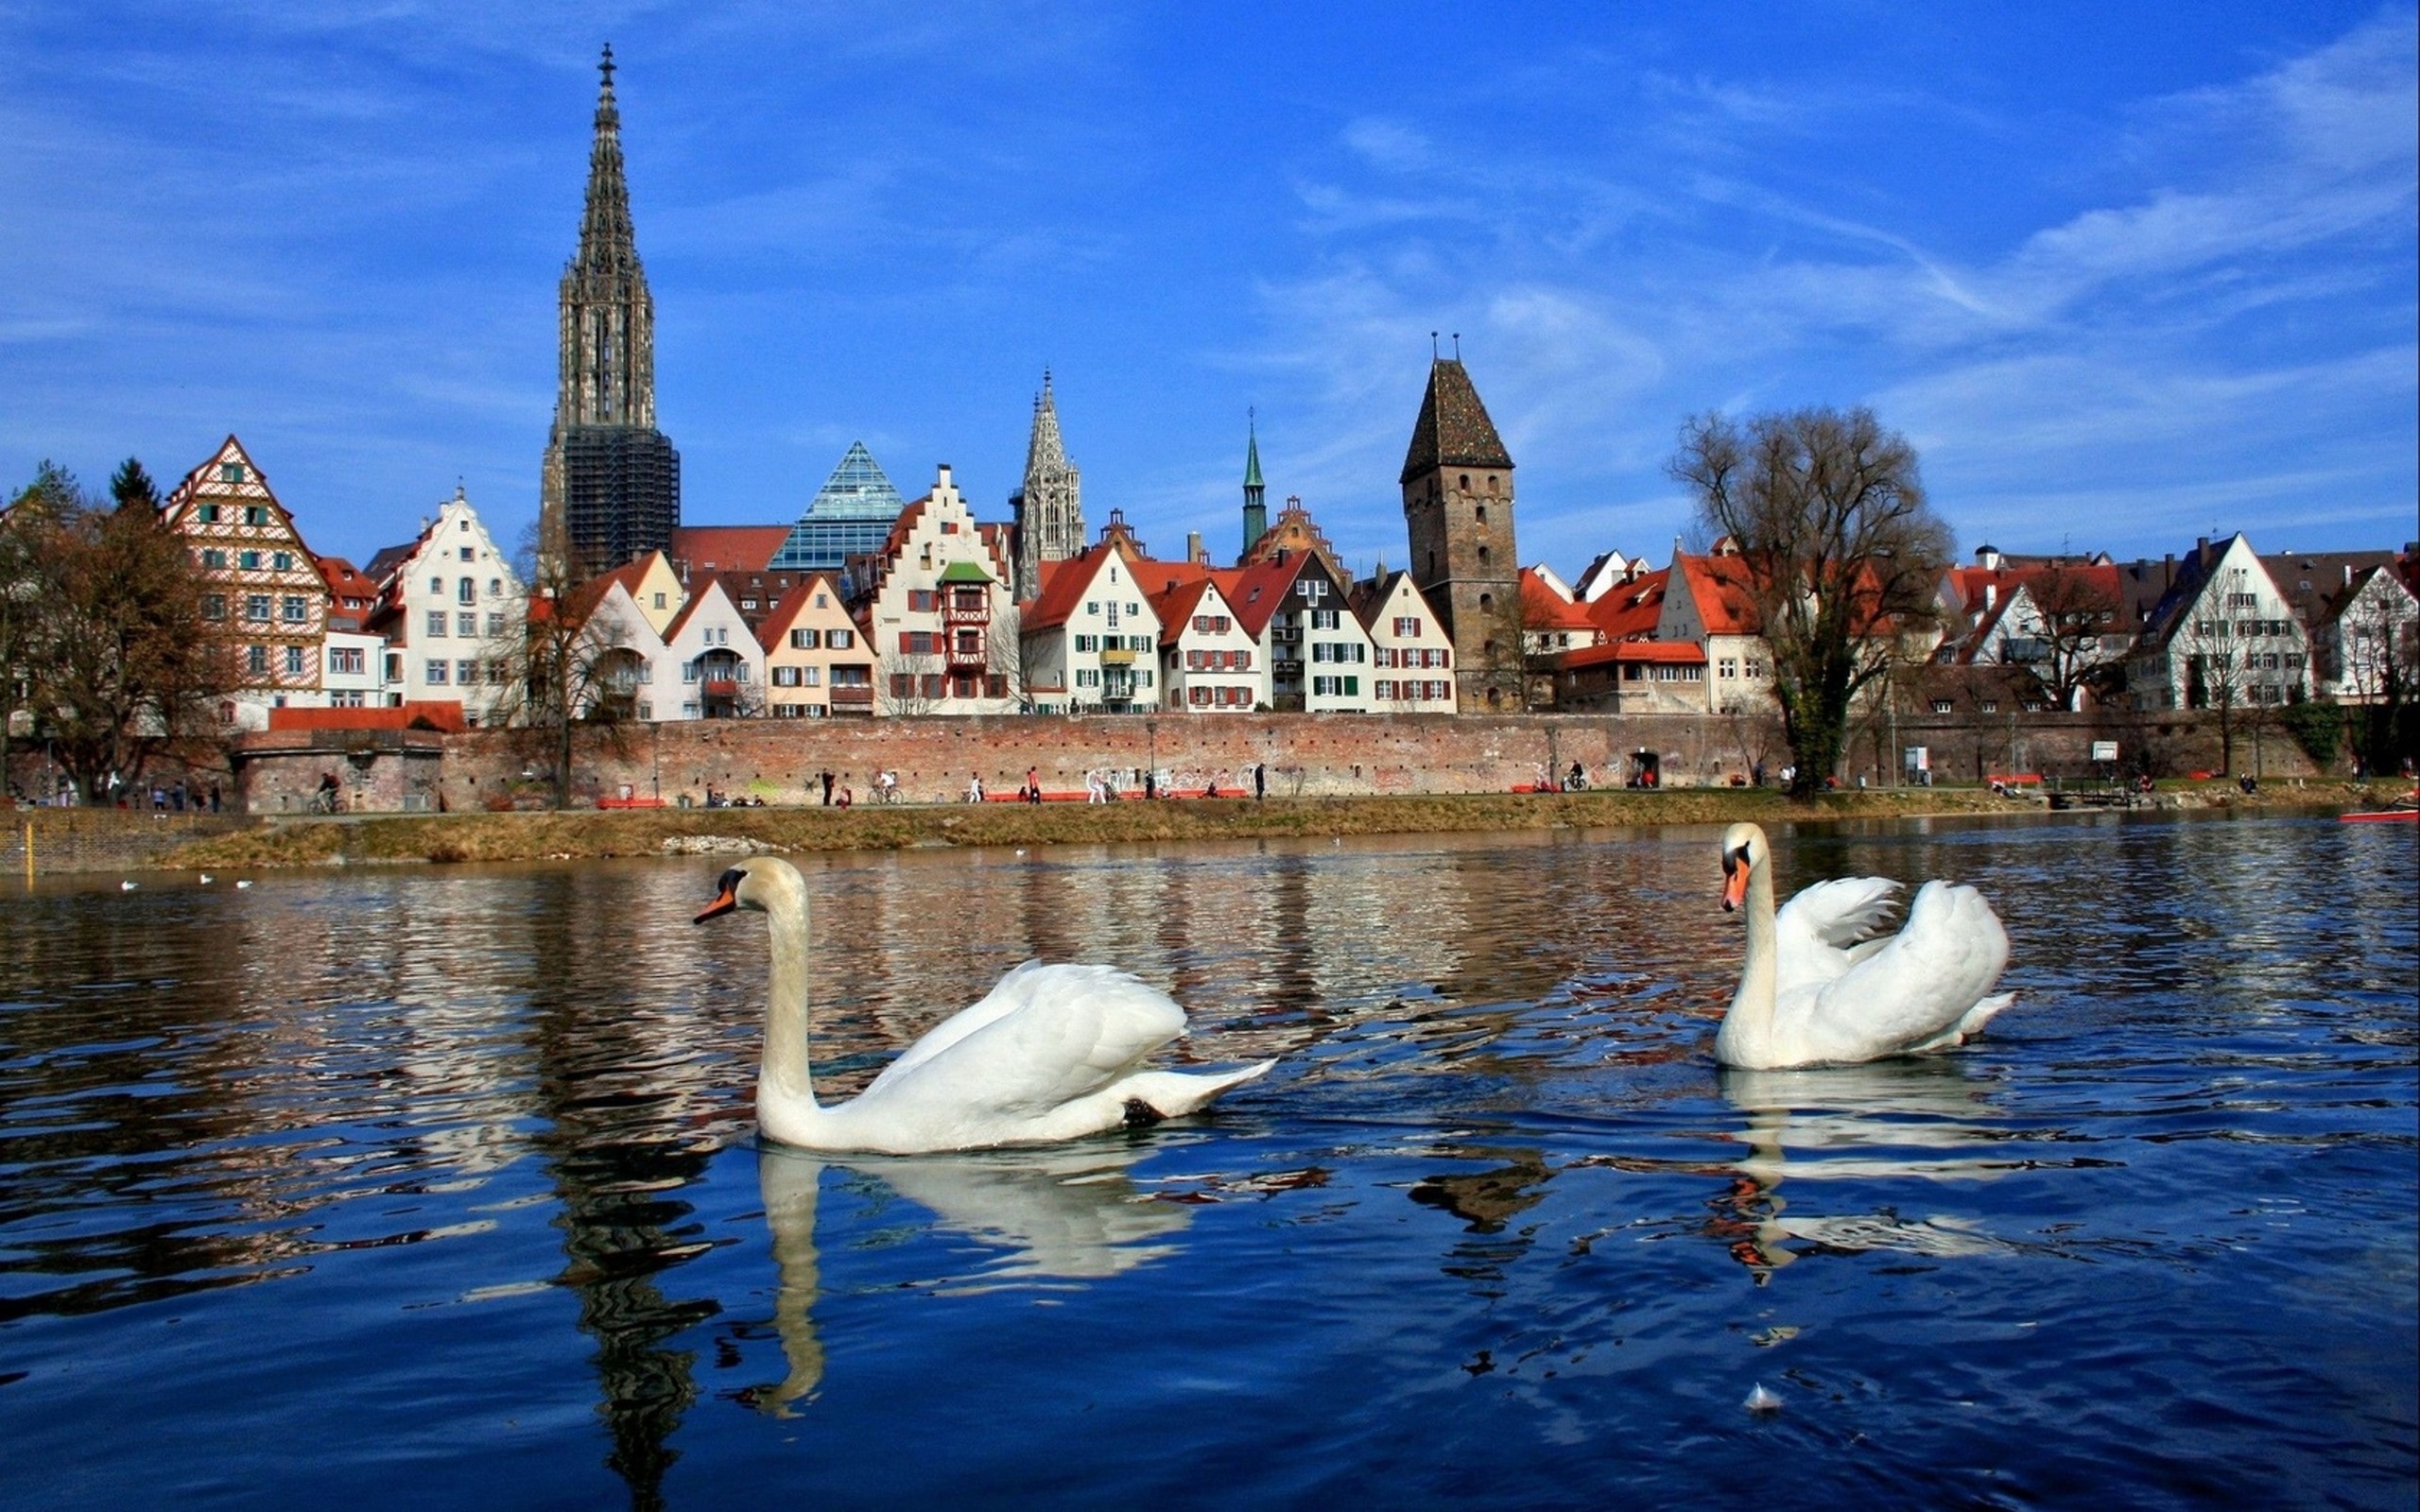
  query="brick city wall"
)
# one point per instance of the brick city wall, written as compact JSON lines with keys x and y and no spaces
{"x":385,"y":771}
{"x":1307,"y":754}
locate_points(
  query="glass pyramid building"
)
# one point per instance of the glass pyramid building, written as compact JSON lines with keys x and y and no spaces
{"x":849,"y":515}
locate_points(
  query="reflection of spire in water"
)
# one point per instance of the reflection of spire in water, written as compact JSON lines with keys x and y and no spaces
{"x":1064,"y":1213}
{"x":1890,"y":1119}
{"x":614,"y":1148}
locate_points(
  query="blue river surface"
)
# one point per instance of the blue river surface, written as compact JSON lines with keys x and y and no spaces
{"x":438,"y":1187}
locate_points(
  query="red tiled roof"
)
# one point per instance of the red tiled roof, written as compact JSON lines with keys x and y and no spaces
{"x":1630,"y":611}
{"x":1175,"y":604}
{"x":1719,"y":588}
{"x":1666,"y":653}
{"x":1254,"y":592}
{"x":1543,"y":609}
{"x":1062,"y":587}
{"x":444,"y":716}
{"x":726,"y":548}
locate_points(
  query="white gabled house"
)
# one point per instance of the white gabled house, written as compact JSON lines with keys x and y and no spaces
{"x":1318,"y":655}
{"x":1208,"y":662}
{"x":617,"y":652}
{"x":2222,"y":634}
{"x":1412,"y":656}
{"x":935,"y":605}
{"x":1090,"y":639}
{"x":710,"y":666}
{"x":451,"y":611}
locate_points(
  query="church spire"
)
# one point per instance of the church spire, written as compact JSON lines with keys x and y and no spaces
{"x":610,"y":484}
{"x":1045,"y":450}
{"x":1255,"y":492}
{"x":1048,"y":510}
{"x":607,"y":244}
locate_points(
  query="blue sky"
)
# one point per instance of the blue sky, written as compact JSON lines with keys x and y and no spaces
{"x":2124,"y":274}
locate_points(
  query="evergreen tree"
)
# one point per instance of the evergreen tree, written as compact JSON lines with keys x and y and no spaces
{"x":132,"y":487}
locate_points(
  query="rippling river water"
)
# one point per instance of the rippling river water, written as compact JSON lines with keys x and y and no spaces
{"x":440,"y":1187}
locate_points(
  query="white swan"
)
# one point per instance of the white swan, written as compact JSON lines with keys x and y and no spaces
{"x":1051,"y":1054}
{"x":1816,"y":989}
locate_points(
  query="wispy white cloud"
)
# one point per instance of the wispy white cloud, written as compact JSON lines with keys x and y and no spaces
{"x":2178,"y":332}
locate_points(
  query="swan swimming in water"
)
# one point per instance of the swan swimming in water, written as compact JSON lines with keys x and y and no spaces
{"x":1052,"y":1052}
{"x":1817,"y":990}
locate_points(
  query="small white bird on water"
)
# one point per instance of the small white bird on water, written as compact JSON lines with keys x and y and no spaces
{"x":206,"y":879}
{"x":126,"y":886}
{"x":243,"y":882}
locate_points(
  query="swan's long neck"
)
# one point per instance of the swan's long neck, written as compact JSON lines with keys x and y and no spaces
{"x":786,"y":1073}
{"x":1747,"y":1029}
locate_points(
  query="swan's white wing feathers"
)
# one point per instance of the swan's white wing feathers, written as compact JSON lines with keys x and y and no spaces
{"x":1816,"y":934}
{"x":1921,"y":983}
{"x":1011,"y":992}
{"x":1046,"y":1036}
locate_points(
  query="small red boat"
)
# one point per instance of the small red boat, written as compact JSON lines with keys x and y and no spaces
{"x":2406,"y":809}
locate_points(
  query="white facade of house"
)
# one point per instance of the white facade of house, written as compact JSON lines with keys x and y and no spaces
{"x":1209,"y":663}
{"x":1103,"y":651}
{"x":710,"y":665}
{"x":2370,"y":633}
{"x":462,"y":609}
{"x":1316,"y":630}
{"x":2236,"y":638}
{"x":353,"y":670}
{"x":1411,"y":657}
{"x":939,"y":598}
{"x":619,"y":641}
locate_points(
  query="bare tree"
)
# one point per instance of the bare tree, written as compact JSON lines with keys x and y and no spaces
{"x":2217,"y":678}
{"x":2076,"y":609}
{"x":1843,"y":555}
{"x":1004,"y":658}
{"x":106,"y":634}
{"x":904,"y":680}
{"x":569,"y":663}
{"x":2376,"y":648}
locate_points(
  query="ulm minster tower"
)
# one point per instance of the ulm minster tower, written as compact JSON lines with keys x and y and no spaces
{"x":611,"y":489}
{"x":1047,"y":512}
{"x":1457,"y":506}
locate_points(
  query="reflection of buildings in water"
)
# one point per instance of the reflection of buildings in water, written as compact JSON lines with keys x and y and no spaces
{"x":1486,"y":1201}
{"x":1884,"y":1121}
{"x":1064,"y":1213}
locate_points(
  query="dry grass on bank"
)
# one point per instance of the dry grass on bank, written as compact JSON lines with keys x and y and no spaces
{"x":583,"y":834}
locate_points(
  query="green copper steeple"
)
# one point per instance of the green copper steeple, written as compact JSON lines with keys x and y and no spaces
{"x":1256,"y":494}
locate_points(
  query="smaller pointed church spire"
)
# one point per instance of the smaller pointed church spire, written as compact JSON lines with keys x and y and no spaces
{"x":1255,"y":493}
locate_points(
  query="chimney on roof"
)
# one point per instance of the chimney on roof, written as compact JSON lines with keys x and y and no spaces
{"x":1194,"y":550}
{"x":1991,"y":596}
{"x":2201,"y":545}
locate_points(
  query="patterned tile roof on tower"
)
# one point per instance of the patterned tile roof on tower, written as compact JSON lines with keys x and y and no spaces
{"x":1454,"y":429}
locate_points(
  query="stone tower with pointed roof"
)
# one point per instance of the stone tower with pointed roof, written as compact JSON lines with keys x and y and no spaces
{"x":1457,"y":505}
{"x":1048,"y":513}
{"x":1255,"y":491}
{"x":610,"y":489}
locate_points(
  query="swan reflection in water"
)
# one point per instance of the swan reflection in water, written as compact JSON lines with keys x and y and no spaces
{"x":1054,"y":1212}
{"x":1901,"y":1119}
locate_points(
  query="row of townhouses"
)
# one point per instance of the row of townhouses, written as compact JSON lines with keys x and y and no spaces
{"x":926,"y":623}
